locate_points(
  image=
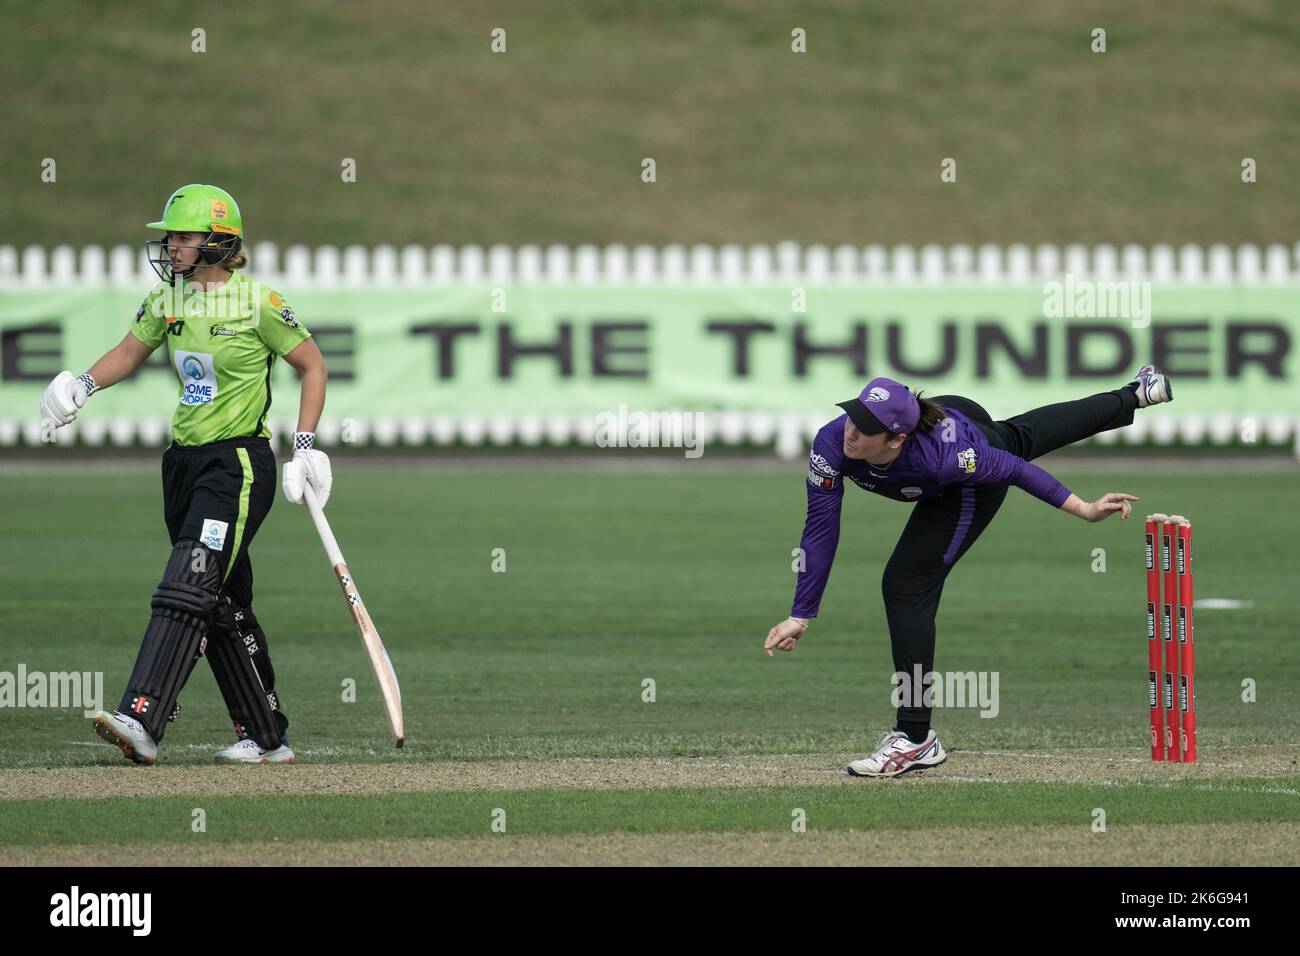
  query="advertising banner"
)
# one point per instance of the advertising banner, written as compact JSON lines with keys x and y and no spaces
{"x":586,"y":349}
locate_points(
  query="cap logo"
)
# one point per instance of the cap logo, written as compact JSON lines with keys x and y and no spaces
{"x":878,"y":394}
{"x":218,"y":209}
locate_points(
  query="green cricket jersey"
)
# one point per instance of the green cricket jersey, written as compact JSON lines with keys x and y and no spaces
{"x":222,"y":344}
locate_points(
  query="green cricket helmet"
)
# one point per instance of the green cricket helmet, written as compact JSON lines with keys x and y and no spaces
{"x":198,"y":208}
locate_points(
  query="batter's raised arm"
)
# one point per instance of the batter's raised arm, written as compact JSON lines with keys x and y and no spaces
{"x":65,"y":396}
{"x":119,"y":361}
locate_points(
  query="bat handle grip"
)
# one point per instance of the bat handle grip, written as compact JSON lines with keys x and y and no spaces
{"x":322,"y":526}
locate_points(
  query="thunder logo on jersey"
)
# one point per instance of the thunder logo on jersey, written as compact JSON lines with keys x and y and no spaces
{"x":198,"y":377}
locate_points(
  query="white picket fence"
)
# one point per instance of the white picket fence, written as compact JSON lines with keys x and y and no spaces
{"x":328,"y":267}
{"x":388,"y":266}
{"x":788,"y":434}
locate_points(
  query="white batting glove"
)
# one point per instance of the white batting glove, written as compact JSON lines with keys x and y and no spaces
{"x":64,"y":397}
{"x":308,"y":466}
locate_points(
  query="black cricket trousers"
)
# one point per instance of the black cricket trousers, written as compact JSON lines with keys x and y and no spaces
{"x":932,"y":542}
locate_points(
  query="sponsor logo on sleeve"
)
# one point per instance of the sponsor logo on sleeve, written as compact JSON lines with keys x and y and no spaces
{"x":824,"y":482}
{"x":214,"y":533}
{"x":821,"y":474}
{"x":143,"y":305}
{"x":276,"y":301}
{"x":289,"y":318}
{"x":967,"y":461}
{"x":819,"y":464}
{"x":198,"y":377}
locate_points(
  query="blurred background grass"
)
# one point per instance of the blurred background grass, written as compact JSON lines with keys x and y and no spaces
{"x":753,"y":143}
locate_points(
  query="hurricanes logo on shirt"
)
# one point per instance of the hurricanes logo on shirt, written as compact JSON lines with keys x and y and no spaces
{"x":967,"y":461}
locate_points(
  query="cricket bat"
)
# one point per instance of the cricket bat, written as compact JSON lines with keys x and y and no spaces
{"x":379,"y":662}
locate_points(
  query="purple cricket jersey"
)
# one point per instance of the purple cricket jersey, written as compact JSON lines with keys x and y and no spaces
{"x":930,"y":463}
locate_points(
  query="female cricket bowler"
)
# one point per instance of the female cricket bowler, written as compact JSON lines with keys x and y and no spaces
{"x":223,"y":333}
{"x":955,"y":462}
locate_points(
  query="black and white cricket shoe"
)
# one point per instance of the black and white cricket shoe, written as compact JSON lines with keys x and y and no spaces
{"x":249,"y":750}
{"x":126,"y":734}
{"x":1152,"y":386}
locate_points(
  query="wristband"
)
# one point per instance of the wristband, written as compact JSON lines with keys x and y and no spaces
{"x":88,"y":380}
{"x":304,"y":441}
{"x":799,"y":620}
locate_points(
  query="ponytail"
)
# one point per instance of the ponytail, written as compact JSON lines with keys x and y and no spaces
{"x":932,"y":414}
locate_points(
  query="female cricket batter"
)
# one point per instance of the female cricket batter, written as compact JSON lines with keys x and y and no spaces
{"x":223,"y":332}
{"x":955,"y":462}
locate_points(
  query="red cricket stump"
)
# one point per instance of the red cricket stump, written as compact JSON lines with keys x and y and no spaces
{"x":1154,"y":523}
{"x":1186,"y":642}
{"x":1173,"y":727}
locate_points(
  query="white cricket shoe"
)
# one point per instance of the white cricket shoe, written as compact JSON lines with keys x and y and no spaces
{"x":249,"y":750}
{"x":1153,"y":386}
{"x":896,"y":754}
{"x":126,"y":734}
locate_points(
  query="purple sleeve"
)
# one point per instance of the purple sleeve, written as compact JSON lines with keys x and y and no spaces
{"x":821,"y":530}
{"x":1003,"y":468}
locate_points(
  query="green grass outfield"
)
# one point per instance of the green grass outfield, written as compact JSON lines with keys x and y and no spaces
{"x":523,"y":689}
{"x":753,"y":143}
